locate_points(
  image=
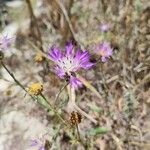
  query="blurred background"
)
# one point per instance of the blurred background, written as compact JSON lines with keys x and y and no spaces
{"x":122,"y":112}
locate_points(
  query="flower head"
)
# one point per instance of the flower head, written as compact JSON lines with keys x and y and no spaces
{"x":105,"y":51}
{"x":35,"y":89}
{"x":104,"y":27}
{"x":5,"y":42}
{"x":69,"y":62}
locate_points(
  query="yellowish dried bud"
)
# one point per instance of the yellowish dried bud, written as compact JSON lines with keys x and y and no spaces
{"x":35,"y":89}
{"x":39,"y":57}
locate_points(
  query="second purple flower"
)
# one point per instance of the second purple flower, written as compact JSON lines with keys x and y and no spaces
{"x":104,"y":50}
{"x":69,"y":62}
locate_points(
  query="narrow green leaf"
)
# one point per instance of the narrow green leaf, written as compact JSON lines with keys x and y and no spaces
{"x":95,"y":108}
{"x":98,"y":130}
{"x":43,"y":102}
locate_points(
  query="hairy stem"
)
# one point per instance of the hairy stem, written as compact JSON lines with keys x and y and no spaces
{"x":12,"y":75}
{"x":53,"y":109}
{"x":62,"y":88}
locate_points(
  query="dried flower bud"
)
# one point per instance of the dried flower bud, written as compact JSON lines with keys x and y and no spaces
{"x":39,"y":57}
{"x":75,"y":118}
{"x":35,"y":89}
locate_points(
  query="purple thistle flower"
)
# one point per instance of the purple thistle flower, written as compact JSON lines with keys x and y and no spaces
{"x":75,"y":82}
{"x":104,"y":27}
{"x":5,"y":42}
{"x":105,"y":51}
{"x":69,"y":62}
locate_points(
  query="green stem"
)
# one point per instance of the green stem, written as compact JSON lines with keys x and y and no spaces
{"x":51,"y":107}
{"x":57,"y":96}
{"x":106,"y":89}
{"x":12,"y":75}
{"x":18,"y":83}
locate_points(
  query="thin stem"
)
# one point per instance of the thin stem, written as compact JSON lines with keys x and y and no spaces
{"x":84,"y":113}
{"x":46,"y":100}
{"x":16,"y":81}
{"x":79,"y":138}
{"x":104,"y":81}
{"x":37,"y":49}
{"x":62,"y":88}
{"x":72,"y":98}
{"x":60,"y":4}
{"x":89,"y":86}
{"x":33,"y":19}
{"x":51,"y":107}
{"x":106,"y":89}
{"x":12,"y":75}
{"x":43,"y":54}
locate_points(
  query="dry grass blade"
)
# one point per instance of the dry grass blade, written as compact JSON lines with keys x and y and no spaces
{"x":143,"y":81}
{"x":72,"y":99}
{"x":144,"y":145}
{"x":67,"y":19}
{"x":37,"y":49}
{"x":118,"y":142}
{"x":89,"y":86}
{"x":137,"y":129}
